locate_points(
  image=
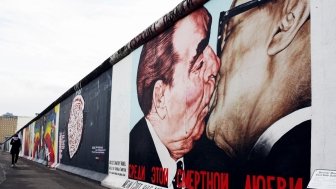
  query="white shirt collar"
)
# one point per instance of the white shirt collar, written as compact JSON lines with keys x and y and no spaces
{"x":266,"y":141}
{"x":165,"y":159}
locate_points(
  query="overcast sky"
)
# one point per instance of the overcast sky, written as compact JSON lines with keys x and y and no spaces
{"x":47,"y":46}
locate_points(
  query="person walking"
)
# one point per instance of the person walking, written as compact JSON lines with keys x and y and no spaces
{"x":16,"y":144}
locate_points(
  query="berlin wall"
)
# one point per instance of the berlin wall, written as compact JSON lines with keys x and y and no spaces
{"x":215,"y":94}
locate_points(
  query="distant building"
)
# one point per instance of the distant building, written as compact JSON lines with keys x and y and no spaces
{"x":22,"y":121}
{"x":10,"y":123}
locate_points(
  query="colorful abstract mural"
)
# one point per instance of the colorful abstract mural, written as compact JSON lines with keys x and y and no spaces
{"x":40,"y":138}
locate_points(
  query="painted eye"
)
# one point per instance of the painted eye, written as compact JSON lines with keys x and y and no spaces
{"x":200,"y":65}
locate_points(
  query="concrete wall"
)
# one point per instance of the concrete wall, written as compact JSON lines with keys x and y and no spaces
{"x":323,"y":84}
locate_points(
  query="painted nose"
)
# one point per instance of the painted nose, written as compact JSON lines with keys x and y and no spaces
{"x":212,"y":65}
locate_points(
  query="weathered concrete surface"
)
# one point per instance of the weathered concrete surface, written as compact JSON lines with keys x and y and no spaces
{"x":32,"y":175}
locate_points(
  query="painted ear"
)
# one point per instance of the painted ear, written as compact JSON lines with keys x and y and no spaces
{"x":159,"y":99}
{"x":297,"y":12}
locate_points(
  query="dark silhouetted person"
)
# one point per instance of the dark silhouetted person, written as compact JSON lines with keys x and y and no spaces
{"x":16,"y":144}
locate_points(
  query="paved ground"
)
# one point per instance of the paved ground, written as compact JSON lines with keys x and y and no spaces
{"x":32,"y":175}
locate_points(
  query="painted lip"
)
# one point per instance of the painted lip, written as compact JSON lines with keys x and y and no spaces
{"x":205,"y":111}
{"x":214,"y":100}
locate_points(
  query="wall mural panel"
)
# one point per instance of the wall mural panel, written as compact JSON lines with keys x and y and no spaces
{"x":84,"y":126}
{"x":217,"y":102}
{"x":28,"y":142}
{"x":40,"y":141}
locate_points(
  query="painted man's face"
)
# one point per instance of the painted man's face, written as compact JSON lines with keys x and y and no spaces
{"x":188,"y":97}
{"x":244,"y":75}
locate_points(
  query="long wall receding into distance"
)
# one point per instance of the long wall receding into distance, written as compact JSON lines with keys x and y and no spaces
{"x":202,"y":99}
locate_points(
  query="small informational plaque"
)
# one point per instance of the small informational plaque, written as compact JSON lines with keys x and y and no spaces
{"x":134,"y":184}
{"x":323,"y":179}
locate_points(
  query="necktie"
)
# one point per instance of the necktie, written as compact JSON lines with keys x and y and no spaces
{"x":177,"y":181}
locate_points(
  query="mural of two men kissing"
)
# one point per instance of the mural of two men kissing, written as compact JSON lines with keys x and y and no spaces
{"x":236,"y":118}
